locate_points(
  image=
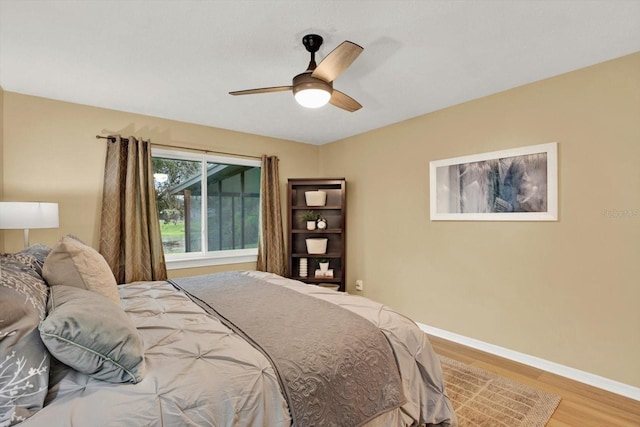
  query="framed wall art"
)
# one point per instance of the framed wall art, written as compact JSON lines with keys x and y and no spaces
{"x":519,"y":184}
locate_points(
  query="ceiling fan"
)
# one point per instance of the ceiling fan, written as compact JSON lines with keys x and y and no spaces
{"x":314,"y":87}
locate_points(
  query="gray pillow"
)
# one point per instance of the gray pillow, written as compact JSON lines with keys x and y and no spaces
{"x":24,"y":360}
{"x":89,"y":333}
{"x":71,"y":262}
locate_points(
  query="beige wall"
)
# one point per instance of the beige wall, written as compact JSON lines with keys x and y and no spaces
{"x":51,"y":154}
{"x":566,"y":291}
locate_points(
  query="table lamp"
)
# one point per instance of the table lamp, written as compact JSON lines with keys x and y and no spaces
{"x":27,"y":215}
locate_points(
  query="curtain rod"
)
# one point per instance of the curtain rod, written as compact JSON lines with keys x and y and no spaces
{"x":113,"y":139}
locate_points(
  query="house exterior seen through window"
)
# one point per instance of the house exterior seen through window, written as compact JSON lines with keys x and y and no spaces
{"x":218,"y":228}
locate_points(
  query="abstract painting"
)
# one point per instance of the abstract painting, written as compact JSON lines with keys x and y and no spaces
{"x":519,"y":184}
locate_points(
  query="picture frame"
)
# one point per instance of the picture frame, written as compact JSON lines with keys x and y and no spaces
{"x":519,"y":184}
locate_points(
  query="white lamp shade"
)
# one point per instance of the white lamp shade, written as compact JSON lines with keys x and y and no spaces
{"x":26,"y":215}
{"x":312,"y":98}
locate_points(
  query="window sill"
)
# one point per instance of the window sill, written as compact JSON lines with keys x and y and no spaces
{"x":199,"y":259}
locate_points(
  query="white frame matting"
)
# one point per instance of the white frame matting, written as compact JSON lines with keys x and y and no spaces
{"x":527,"y":176}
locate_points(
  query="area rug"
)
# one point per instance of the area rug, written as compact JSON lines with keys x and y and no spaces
{"x":484,"y":399}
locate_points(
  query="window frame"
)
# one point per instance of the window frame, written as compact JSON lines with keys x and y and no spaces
{"x":207,"y":258}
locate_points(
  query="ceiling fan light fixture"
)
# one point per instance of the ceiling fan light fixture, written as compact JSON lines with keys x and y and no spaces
{"x":311,"y":92}
{"x":313,"y":98}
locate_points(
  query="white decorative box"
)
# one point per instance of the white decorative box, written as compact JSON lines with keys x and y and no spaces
{"x":316,"y":246}
{"x":315,"y":198}
{"x":324,"y":274}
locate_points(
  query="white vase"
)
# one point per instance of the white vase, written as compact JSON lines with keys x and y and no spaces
{"x":303,"y":270}
{"x":324,"y":266}
{"x":311,"y":225}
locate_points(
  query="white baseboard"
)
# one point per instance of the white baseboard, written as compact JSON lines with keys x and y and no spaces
{"x":555,"y":368}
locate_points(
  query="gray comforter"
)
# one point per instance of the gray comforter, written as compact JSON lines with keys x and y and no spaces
{"x":335,"y":367}
{"x":201,"y":373}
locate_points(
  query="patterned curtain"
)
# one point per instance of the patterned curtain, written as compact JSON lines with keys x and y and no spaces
{"x":271,"y":255}
{"x":130,"y":237}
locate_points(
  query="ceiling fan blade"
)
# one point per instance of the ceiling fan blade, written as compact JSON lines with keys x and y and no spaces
{"x":337,"y":61}
{"x":343,"y":101}
{"x":261,"y":90}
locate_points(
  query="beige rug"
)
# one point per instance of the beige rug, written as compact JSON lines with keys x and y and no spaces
{"x":484,"y":399}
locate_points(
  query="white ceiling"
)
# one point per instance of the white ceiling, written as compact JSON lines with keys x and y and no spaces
{"x":179,"y":59}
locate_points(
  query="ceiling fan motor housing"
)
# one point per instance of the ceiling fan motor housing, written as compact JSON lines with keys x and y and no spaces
{"x":304,"y":81}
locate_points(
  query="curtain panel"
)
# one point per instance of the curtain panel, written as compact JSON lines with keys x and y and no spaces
{"x":130,"y":238}
{"x":271,"y":251}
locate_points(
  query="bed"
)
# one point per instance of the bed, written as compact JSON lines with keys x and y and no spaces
{"x":199,"y":351}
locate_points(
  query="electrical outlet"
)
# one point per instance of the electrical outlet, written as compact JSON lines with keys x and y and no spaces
{"x":359,"y":285}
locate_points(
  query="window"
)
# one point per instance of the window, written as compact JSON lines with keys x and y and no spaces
{"x":220,"y":228}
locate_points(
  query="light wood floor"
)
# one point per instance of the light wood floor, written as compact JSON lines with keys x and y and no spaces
{"x":581,"y":405}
